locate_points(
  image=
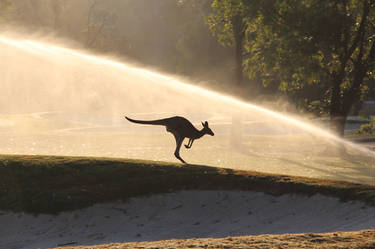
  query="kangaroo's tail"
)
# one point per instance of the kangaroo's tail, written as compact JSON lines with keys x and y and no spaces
{"x":149,"y":122}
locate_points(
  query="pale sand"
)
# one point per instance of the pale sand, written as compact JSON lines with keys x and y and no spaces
{"x":186,"y":214}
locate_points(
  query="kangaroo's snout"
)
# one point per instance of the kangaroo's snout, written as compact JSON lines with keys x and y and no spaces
{"x":210,"y":132}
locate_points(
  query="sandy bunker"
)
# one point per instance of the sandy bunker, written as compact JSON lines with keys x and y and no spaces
{"x":185,"y":214}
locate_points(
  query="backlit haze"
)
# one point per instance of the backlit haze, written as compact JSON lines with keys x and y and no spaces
{"x":59,"y":101}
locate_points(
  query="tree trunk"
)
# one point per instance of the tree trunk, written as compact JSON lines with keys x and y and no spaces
{"x":337,"y":123}
{"x":341,"y":105}
{"x":236,"y":129}
{"x":238,"y":61}
{"x":342,"y":102}
{"x":239,"y":35}
{"x":337,"y":115}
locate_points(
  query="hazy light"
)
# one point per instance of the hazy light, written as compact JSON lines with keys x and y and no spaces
{"x":80,"y":100}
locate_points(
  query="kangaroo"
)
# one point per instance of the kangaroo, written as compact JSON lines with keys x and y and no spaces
{"x":181,"y":128}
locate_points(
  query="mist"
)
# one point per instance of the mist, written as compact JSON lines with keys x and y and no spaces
{"x":166,"y":35}
{"x":70,"y":71}
{"x":62,"y":101}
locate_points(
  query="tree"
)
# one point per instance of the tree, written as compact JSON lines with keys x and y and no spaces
{"x":57,"y":7}
{"x":100,"y":21}
{"x":228,"y":23}
{"x":4,"y":5}
{"x":320,"y":52}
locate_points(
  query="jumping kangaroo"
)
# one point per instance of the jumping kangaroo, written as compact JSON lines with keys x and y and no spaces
{"x":180,"y":127}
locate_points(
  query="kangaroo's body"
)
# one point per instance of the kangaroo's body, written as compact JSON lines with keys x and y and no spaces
{"x":181,"y":128}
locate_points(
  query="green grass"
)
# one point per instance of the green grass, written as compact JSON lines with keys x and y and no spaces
{"x":360,"y":138}
{"x":52,"y":184}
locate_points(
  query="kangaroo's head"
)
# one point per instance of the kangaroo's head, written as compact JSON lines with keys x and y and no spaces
{"x":207,"y":129}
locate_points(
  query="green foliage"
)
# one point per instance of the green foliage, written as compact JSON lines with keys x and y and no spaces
{"x":367,"y":128}
{"x":316,"y":51}
{"x":4,"y":4}
{"x":227,"y":20}
{"x":320,"y":53}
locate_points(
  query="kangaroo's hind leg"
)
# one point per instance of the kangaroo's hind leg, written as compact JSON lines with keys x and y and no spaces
{"x":179,"y":140}
{"x":190,"y":143}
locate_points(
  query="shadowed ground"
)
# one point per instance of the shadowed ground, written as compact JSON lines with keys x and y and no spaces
{"x":175,"y":200}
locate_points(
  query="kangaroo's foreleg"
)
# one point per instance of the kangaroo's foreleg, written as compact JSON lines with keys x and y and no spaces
{"x":179,"y":140}
{"x":190,"y":143}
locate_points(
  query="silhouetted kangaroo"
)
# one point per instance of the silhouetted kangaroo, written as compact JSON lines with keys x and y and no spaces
{"x":180,"y":127}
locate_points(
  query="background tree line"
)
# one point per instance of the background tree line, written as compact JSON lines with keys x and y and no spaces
{"x":169,"y":35}
{"x":320,"y":54}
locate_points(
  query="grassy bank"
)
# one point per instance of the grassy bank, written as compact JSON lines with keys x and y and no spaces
{"x":337,"y":240}
{"x":51,"y":184}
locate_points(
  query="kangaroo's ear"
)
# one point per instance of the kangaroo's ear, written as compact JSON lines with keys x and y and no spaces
{"x":206,"y":123}
{"x":202,"y":123}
